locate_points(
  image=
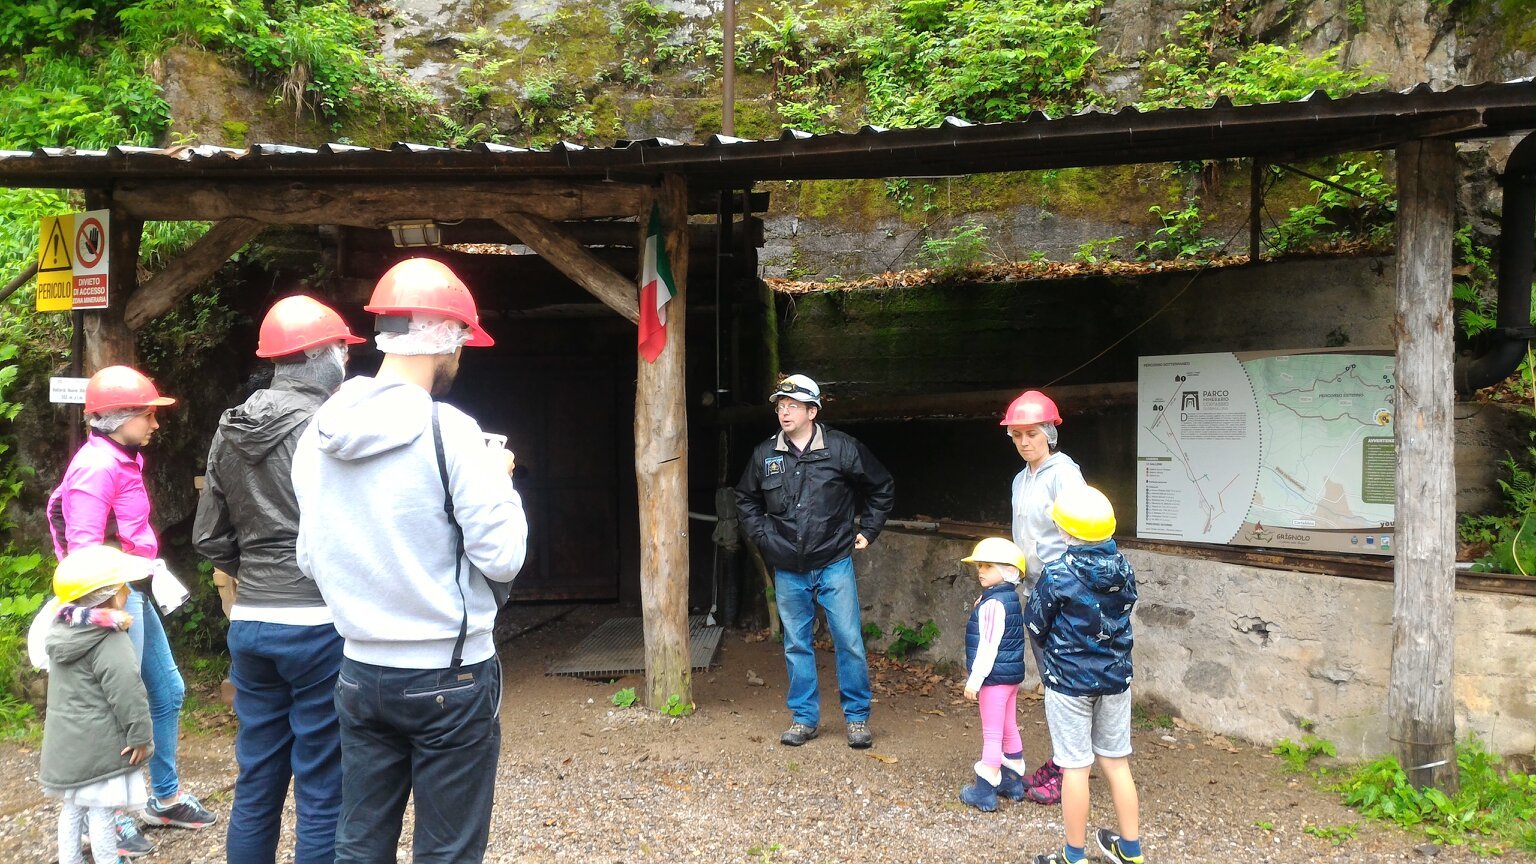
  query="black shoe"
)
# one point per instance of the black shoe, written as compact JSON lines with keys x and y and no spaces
{"x":859,"y":737}
{"x":1109,"y":845}
{"x":797,"y":734}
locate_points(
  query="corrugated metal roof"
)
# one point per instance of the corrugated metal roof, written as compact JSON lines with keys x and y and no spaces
{"x":1276,"y":131}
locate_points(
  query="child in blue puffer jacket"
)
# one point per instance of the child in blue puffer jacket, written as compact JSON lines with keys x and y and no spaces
{"x":1080,"y":614}
{"x":994,"y":656}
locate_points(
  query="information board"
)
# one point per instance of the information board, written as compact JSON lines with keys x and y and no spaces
{"x":1290,"y":450}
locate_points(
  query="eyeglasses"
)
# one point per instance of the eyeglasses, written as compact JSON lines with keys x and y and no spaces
{"x":787,"y":406}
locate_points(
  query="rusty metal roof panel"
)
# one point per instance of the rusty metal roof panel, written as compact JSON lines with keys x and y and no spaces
{"x":1312,"y":126}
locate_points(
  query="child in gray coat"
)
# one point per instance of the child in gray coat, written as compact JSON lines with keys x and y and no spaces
{"x":97,"y":731}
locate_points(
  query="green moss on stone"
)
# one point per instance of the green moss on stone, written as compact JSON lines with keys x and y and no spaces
{"x":235,"y":132}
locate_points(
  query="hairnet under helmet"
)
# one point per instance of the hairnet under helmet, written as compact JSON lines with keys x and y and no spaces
{"x":110,"y":421}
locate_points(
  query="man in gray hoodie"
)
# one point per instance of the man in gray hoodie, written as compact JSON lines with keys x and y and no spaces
{"x":283,"y":647}
{"x":409,"y":525}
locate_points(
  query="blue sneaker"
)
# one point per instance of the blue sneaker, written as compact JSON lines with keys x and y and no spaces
{"x":1012,"y":785}
{"x":130,"y":843}
{"x":185,"y":812}
{"x":981,"y":794}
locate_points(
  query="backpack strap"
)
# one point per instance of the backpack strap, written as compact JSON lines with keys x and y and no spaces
{"x":458,"y":533}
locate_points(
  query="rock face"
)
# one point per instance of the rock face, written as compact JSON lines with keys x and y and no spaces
{"x":1407,"y":42}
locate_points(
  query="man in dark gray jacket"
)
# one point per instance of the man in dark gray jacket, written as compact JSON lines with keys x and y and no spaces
{"x":284,"y":650}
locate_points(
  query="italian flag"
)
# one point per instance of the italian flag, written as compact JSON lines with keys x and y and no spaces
{"x":657,"y":288}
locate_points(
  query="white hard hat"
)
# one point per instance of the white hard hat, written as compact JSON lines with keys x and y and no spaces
{"x":799,"y":388}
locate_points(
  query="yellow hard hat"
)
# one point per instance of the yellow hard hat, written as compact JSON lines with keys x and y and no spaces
{"x":997,"y":550}
{"x":1085,"y":513}
{"x":87,"y":569}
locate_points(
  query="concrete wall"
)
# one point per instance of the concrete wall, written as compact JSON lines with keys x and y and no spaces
{"x":1249,"y":652}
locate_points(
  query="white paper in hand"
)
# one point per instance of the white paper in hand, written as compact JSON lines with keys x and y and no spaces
{"x":37,"y":635}
{"x":168,"y":590}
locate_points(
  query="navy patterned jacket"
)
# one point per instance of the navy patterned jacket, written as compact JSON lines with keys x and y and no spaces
{"x":1080,"y":615}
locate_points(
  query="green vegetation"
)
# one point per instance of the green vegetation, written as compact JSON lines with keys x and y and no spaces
{"x":1299,"y":755}
{"x":624,"y":697}
{"x":1338,"y":835}
{"x":1364,"y":214}
{"x":1512,"y":534}
{"x":964,"y":248}
{"x":24,"y":579}
{"x":676,"y":707}
{"x":1180,"y":237}
{"x":1494,"y":810}
{"x":1211,"y":54}
{"x":910,"y":640}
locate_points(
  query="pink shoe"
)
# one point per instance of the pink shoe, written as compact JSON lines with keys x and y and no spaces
{"x":1048,"y":792}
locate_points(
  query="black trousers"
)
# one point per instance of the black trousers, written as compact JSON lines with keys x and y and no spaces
{"x":432,"y":732}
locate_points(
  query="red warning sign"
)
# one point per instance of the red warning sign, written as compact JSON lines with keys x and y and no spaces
{"x":91,"y":259}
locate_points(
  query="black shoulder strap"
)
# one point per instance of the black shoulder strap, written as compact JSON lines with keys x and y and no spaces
{"x":458,"y":533}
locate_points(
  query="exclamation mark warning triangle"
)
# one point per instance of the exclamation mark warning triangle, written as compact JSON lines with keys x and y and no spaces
{"x":55,"y":251}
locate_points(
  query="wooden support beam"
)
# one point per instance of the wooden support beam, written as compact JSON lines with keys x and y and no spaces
{"x":194,"y":266}
{"x":21,"y":279}
{"x":1421,"y":695}
{"x":371,"y":205}
{"x":619,"y":293}
{"x":661,"y":469}
{"x":108,"y":339}
{"x":610,"y":234}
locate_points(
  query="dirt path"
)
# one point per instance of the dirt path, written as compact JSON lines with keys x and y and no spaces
{"x":582,"y":781}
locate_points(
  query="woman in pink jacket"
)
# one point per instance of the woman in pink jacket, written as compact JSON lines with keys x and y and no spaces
{"x":102,"y":499}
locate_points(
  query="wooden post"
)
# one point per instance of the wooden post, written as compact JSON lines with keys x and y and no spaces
{"x":108,"y":341}
{"x":1421,"y":695}
{"x":661,"y":469}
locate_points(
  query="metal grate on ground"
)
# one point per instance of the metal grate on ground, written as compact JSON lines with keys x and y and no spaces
{"x":617,"y":647}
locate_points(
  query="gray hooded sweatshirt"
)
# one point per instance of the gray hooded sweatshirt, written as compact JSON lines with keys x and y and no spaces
{"x":373,"y":534}
{"x":1034,"y":491}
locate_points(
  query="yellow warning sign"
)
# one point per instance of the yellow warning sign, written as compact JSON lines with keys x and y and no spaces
{"x":55,"y":265}
{"x":53,"y":249}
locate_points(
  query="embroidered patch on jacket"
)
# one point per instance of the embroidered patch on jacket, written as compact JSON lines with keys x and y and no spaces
{"x":773,"y":465}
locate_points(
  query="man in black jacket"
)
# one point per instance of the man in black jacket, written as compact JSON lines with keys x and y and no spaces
{"x":284,"y":650}
{"x":798,"y":499}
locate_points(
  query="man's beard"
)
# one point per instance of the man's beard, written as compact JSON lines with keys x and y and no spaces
{"x":443,"y":373}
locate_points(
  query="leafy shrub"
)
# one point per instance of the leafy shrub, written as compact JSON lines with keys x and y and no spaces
{"x":1209,"y":55}
{"x":1365,"y":213}
{"x":910,"y":640}
{"x":982,"y":60}
{"x":1180,"y":237}
{"x":1493,"y":809}
{"x":1298,"y":755}
{"x":963,"y":248}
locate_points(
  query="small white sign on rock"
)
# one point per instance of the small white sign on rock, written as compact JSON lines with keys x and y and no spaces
{"x":67,"y":391}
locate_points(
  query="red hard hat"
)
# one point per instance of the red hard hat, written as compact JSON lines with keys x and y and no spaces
{"x":1030,"y":408}
{"x":425,"y":285}
{"x":122,"y":387}
{"x":299,"y":322}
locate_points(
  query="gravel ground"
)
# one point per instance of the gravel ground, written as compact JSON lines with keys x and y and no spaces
{"x":582,"y":781}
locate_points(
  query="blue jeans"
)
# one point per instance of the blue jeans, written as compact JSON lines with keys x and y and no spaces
{"x":834,"y":588}
{"x":166,"y":690}
{"x":436,"y":732}
{"x":285,"y":698}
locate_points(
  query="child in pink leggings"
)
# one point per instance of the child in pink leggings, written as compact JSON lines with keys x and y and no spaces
{"x":994,"y":655}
